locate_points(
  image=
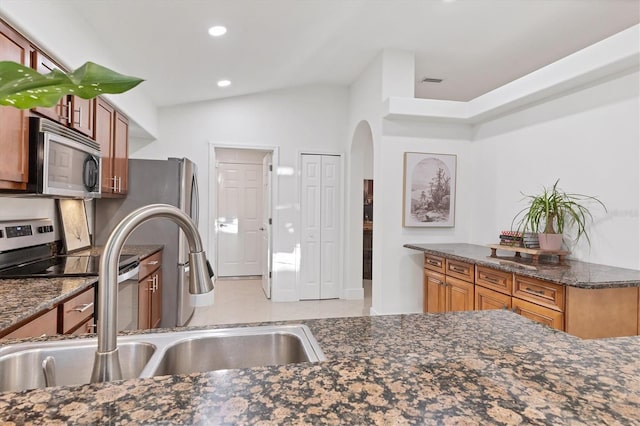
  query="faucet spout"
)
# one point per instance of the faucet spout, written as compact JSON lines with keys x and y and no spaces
{"x":106,"y":365}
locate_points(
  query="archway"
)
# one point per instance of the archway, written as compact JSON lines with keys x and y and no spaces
{"x":360,"y":169}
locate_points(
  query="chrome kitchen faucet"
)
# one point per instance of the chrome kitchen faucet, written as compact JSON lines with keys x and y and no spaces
{"x":106,"y":366}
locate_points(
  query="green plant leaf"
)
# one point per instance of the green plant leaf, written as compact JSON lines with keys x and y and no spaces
{"x":22,"y":87}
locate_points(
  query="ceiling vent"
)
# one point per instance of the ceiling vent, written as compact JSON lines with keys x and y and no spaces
{"x":431,"y":80}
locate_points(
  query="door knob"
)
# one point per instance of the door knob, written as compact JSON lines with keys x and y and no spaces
{"x":262,"y":228}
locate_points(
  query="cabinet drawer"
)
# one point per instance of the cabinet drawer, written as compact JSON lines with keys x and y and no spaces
{"x":44,"y":325}
{"x":490,"y":299}
{"x":86,"y":328}
{"x":434,"y":263}
{"x":543,"y":293}
{"x":76,"y":310}
{"x":150,"y":264}
{"x":463,"y":270}
{"x":496,"y":280}
{"x":538,"y":313}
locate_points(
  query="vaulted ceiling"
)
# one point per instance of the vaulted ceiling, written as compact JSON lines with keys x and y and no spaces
{"x":473,"y":45}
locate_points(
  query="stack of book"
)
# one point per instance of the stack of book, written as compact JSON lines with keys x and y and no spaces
{"x":518,"y":239}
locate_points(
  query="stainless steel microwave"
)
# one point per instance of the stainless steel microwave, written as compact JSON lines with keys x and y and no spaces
{"x":62,"y":162}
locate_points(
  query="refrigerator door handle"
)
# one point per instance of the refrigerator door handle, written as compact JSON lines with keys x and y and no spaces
{"x":195,"y":200}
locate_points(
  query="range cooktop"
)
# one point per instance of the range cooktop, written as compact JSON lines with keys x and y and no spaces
{"x":62,"y":266}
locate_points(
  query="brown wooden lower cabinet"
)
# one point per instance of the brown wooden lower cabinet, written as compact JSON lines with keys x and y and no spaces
{"x":459,"y":295}
{"x":43,"y":325}
{"x":434,"y":297}
{"x":538,"y":313}
{"x":607,"y":312}
{"x":486,"y":299}
{"x":150,"y":291}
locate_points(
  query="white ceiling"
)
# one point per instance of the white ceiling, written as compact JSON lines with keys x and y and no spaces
{"x":474,"y":45}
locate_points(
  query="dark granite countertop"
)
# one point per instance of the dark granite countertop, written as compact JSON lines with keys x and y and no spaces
{"x":572,"y":272}
{"x":26,"y":297}
{"x":477,"y":367}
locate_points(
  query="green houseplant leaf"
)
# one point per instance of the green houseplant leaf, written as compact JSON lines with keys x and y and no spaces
{"x":554,"y":211}
{"x":22,"y":87}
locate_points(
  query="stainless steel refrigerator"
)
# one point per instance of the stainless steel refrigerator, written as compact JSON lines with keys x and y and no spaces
{"x":172,"y":181}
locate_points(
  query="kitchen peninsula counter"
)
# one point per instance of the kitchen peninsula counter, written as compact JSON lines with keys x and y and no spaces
{"x":477,"y":367}
{"x":571,"y":273}
{"x":23,"y":298}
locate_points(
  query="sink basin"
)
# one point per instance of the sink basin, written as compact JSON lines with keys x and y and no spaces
{"x":21,"y":368}
{"x":158,"y":354}
{"x":230,"y":349}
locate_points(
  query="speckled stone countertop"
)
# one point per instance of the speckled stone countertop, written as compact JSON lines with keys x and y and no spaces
{"x":476,"y":368}
{"x":26,"y":297}
{"x":572,"y":272}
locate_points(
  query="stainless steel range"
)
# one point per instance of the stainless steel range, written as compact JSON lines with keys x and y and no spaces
{"x":27,"y":250}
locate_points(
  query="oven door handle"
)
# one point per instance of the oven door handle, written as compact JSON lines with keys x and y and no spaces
{"x":127,"y":275}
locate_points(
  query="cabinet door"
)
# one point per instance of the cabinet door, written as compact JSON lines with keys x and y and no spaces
{"x":121,"y":153}
{"x":82,"y":115}
{"x":156,"y":300}
{"x":434,"y":292}
{"x":14,"y":126}
{"x":104,"y":127}
{"x":486,"y":299}
{"x":538,"y":313}
{"x":145,"y":288}
{"x":60,"y":111}
{"x":459,"y":295}
{"x":44,"y":325}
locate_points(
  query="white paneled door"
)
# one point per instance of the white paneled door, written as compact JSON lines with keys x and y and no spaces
{"x":240,"y":216}
{"x":320,"y":208}
{"x":265,"y":229}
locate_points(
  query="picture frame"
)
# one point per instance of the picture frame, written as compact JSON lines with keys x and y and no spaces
{"x":429,"y":190}
{"x":75,"y":227}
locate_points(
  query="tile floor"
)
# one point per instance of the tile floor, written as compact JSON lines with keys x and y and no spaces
{"x":243,"y":301}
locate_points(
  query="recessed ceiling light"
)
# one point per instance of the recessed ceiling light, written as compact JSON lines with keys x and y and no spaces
{"x":217,"y":31}
{"x":224,"y":83}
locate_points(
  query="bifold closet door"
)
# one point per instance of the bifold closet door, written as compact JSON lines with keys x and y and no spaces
{"x":320,"y":227}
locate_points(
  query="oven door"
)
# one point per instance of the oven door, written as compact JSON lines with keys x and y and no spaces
{"x":128,"y":299}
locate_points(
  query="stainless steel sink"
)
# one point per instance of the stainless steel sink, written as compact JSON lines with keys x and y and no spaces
{"x":21,"y":365}
{"x":237,"y":349}
{"x":157,"y":354}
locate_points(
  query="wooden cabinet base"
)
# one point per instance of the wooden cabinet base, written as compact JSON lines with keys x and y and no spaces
{"x":608,"y":312}
{"x":538,"y":313}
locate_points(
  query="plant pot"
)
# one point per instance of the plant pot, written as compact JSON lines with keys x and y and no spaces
{"x":551,"y":242}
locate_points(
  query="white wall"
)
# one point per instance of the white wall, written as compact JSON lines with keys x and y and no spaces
{"x":305,"y":119}
{"x":589,"y":139}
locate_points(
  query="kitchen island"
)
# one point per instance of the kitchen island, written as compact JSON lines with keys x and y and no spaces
{"x":476,"y":367}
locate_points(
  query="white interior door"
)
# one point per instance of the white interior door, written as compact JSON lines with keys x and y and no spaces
{"x":266,"y":225}
{"x":309,"y":283}
{"x":320,"y":227}
{"x":330,"y":228}
{"x":239,"y":219}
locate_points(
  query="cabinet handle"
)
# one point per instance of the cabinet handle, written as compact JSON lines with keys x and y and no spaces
{"x":119,"y":183}
{"x":491,"y":279}
{"x":114,"y":187}
{"x":437,"y":281}
{"x":152,"y":262}
{"x":433,"y":262}
{"x":458,"y":269}
{"x":82,"y":308}
{"x":530,"y":290}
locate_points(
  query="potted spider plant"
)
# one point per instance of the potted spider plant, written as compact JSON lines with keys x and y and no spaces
{"x":554,"y":212}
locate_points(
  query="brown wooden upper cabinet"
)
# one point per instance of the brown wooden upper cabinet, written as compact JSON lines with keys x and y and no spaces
{"x":111,"y":131}
{"x":14,"y":125}
{"x":71,"y":111}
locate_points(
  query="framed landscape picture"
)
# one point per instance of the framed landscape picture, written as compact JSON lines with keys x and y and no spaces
{"x":429,"y":190}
